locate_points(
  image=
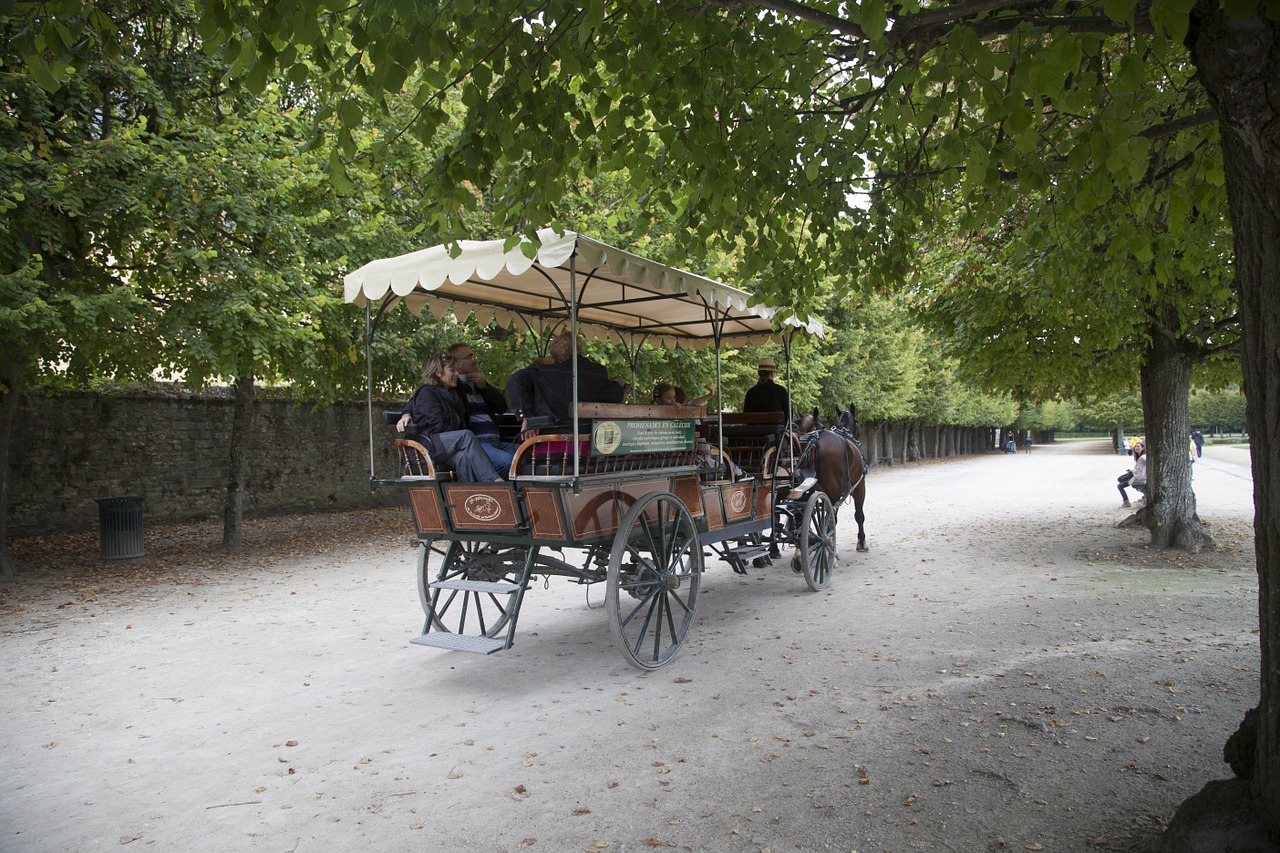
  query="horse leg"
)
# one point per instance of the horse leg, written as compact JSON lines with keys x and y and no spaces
{"x":859,"y":497}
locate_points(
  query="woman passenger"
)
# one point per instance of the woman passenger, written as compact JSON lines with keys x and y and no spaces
{"x":441,"y":416}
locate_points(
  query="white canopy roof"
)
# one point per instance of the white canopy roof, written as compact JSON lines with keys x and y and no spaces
{"x":616,"y":290}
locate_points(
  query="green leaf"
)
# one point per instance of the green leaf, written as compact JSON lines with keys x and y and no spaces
{"x":1171,"y":18}
{"x":874,"y":19}
{"x":350,"y":113}
{"x":41,"y":73}
{"x":1120,"y":11}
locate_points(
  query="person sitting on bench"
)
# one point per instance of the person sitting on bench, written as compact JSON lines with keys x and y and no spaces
{"x":440,"y":415}
{"x":766,"y":395}
{"x":547,"y":389}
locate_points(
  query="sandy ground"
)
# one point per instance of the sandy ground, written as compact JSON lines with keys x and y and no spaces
{"x":1005,"y":670}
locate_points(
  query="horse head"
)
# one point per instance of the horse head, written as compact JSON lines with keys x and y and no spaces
{"x":848,"y":421}
{"x":808,"y":423}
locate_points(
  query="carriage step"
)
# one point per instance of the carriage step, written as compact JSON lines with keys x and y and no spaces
{"x":750,"y":552}
{"x":460,"y":642}
{"x":491,"y":587}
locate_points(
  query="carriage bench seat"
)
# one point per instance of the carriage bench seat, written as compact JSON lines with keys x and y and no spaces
{"x":413,"y":454}
{"x":748,"y":436}
{"x":415,"y":461}
{"x":553,"y":455}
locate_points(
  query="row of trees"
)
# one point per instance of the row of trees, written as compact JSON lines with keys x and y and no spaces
{"x":1207,"y":410}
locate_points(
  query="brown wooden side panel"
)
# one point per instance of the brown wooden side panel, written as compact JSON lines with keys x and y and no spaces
{"x":764,"y":499}
{"x":594,"y":511}
{"x":546,"y":520}
{"x":427,"y":514}
{"x":598,"y":508}
{"x":482,"y":507}
{"x":689,"y":490}
{"x":713,"y":508}
{"x":737,"y":500}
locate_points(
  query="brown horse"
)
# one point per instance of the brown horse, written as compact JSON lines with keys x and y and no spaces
{"x":838,"y":462}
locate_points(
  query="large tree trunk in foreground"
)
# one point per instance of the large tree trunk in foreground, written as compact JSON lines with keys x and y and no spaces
{"x":1170,"y":513}
{"x":10,"y":375}
{"x":238,"y":478}
{"x":1239,"y":64}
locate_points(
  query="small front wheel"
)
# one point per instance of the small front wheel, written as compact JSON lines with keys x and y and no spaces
{"x":481,"y":613}
{"x":817,"y":546}
{"x":655,"y":568}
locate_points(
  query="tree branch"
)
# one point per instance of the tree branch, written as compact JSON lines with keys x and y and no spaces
{"x":799,"y":11}
{"x":1177,"y":125}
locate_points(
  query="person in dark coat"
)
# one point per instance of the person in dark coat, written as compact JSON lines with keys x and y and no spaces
{"x":547,"y":389}
{"x":440,"y":416}
{"x":766,"y":395}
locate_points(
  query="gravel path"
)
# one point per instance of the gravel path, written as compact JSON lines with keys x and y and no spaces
{"x":1005,"y":670}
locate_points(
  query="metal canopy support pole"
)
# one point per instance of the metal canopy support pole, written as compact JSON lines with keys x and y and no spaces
{"x":786,"y":347}
{"x":368,"y":384}
{"x":573,"y":350}
{"x":717,"y":337}
{"x":370,"y":328}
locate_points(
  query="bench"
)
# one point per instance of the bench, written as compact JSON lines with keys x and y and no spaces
{"x":553,"y":455}
{"x":413,"y":453}
{"x":748,"y":437}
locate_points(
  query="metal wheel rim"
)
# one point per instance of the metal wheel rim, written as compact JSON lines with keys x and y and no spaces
{"x":818,"y":541}
{"x":655,"y":569}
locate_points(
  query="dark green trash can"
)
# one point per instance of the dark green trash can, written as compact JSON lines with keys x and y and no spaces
{"x":120,"y":527}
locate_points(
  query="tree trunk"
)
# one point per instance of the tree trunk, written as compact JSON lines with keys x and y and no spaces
{"x":238,"y":478}
{"x":1237,"y":62}
{"x":10,"y":374}
{"x":1170,"y":513}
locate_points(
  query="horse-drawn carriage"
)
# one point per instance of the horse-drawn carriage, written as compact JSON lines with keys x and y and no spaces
{"x":640,"y":492}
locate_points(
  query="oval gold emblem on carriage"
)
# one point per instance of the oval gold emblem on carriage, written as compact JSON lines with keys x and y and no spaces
{"x":738,"y":500}
{"x":608,"y":437}
{"x":482,"y":507}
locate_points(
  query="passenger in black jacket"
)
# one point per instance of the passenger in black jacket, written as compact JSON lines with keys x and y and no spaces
{"x":547,"y":389}
{"x":440,"y":415}
{"x":766,"y":395}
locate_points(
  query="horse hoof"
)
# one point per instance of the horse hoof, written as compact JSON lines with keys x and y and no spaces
{"x":795,"y":564}
{"x":862,"y":547}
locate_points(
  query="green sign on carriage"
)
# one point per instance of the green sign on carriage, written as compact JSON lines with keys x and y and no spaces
{"x":610,"y":438}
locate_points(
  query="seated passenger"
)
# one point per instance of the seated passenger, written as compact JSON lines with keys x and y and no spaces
{"x":666,"y":394}
{"x":441,"y":416}
{"x":485,"y":404}
{"x":547,"y":389}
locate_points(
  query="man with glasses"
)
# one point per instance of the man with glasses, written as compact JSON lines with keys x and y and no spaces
{"x":484,"y":404}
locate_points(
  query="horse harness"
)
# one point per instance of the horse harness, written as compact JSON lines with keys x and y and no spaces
{"x":809,"y":444}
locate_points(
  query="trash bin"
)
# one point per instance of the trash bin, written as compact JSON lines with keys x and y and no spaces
{"x":120,"y":527}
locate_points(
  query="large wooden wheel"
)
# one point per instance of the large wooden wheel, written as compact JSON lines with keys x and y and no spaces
{"x":473,"y":612}
{"x":655,"y":568}
{"x":817,"y":546}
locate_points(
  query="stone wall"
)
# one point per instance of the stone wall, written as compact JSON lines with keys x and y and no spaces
{"x":173,"y":450}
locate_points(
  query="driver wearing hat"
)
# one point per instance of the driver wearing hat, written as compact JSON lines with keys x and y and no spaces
{"x":766,"y":395}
